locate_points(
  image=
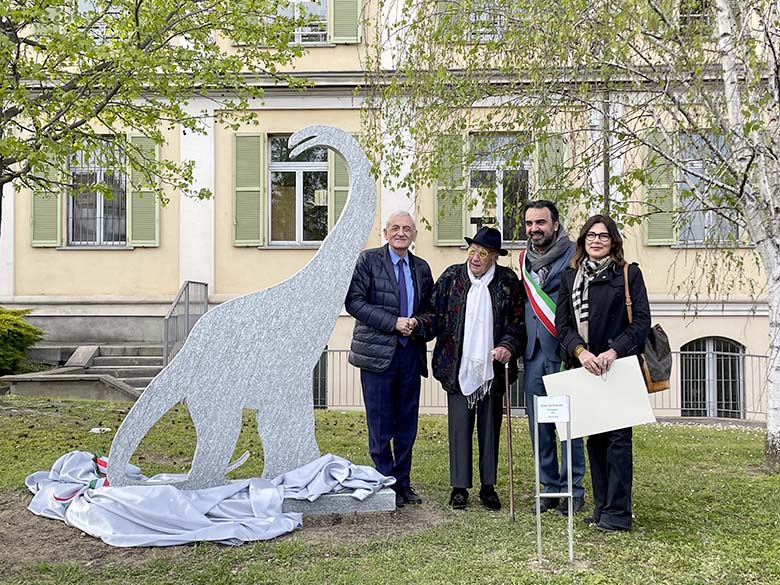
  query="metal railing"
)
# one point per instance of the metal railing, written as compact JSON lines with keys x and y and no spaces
{"x":734,"y":387}
{"x":190,"y":304}
{"x":715,"y":385}
{"x":337,"y":385}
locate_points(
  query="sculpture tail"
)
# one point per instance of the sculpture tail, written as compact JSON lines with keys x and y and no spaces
{"x":150,"y":407}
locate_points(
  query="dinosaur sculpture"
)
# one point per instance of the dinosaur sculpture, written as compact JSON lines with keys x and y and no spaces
{"x":258,"y":351}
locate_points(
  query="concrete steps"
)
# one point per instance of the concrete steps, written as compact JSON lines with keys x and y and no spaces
{"x":123,"y":372}
{"x":124,"y":361}
{"x":133,"y":364}
{"x":131,"y":349}
{"x":138,"y":383}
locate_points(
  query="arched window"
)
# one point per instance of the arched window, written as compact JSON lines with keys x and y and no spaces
{"x":712,"y":378}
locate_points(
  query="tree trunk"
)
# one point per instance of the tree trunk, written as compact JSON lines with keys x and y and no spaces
{"x":772,"y":450}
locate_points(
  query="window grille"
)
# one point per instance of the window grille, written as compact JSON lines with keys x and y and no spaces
{"x":712,"y":378}
{"x":315,"y":31}
{"x":94,"y":218}
{"x":486,"y":25}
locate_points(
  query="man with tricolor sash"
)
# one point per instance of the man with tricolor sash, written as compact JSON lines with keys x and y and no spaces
{"x":548,"y":253}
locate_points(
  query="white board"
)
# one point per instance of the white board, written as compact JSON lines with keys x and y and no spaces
{"x":600,"y":404}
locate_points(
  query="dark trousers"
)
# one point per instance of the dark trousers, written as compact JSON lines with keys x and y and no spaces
{"x":611,"y":461}
{"x":392,"y":400}
{"x":553,"y":479}
{"x":460,"y":423}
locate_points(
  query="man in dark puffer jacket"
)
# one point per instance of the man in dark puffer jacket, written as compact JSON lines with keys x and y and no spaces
{"x":390,"y":358}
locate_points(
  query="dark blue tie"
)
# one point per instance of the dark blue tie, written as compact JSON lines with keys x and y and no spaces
{"x":403,"y":299}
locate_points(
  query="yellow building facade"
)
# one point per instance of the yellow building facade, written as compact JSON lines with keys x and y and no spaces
{"x":98,"y":271}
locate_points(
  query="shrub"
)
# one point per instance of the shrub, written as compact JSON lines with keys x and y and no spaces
{"x":16,"y":336}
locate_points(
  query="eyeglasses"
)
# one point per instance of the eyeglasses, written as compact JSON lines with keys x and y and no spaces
{"x":481,"y":253}
{"x":602,"y":237}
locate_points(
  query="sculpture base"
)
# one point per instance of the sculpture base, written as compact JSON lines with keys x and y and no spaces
{"x":382,"y":501}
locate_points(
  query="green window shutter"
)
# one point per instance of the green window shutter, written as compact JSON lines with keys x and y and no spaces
{"x":450,"y":190}
{"x":46,"y":215}
{"x":344,"y":21}
{"x":338,"y":182}
{"x":248,"y":189}
{"x":143,"y":204}
{"x":659,"y":195}
{"x":549,"y":166}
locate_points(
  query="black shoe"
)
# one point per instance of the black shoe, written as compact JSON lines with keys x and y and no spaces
{"x":409,"y":495}
{"x":458,"y":498}
{"x":489,"y":498}
{"x":399,"y":497}
{"x":589,"y":521}
{"x":545,"y":504}
{"x":576,"y":505}
{"x":606,"y":528}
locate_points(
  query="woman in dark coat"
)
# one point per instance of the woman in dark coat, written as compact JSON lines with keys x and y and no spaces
{"x":593,"y":330}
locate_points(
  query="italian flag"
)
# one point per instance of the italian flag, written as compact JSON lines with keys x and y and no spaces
{"x":541,"y":304}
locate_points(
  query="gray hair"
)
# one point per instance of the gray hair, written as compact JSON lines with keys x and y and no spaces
{"x":401,"y":213}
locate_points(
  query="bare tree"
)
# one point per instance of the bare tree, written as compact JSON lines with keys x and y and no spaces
{"x":689,"y":87}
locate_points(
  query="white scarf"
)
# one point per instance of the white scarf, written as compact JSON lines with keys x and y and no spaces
{"x":476,"y":367}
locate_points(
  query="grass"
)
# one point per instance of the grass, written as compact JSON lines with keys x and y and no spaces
{"x":704,"y":511}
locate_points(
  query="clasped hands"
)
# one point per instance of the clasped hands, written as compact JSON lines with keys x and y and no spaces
{"x":597,"y":364}
{"x":405,"y":325}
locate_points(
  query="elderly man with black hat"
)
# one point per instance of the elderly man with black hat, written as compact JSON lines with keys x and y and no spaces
{"x":476,"y":317}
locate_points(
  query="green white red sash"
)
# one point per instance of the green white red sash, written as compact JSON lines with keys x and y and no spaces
{"x":541,"y":304}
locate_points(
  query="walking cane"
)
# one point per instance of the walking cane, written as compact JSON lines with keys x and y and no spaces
{"x":509,"y":442}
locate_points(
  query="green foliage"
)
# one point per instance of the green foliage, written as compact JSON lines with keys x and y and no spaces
{"x":16,"y":337}
{"x":607,"y":75}
{"x":72,"y":77}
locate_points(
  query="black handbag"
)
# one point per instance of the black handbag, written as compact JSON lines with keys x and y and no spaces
{"x":657,"y":356}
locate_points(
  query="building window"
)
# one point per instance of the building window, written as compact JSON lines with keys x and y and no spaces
{"x":713,"y":373}
{"x":498,"y":184}
{"x":707,"y":216}
{"x":315,"y":14}
{"x":97,"y":19}
{"x":486,"y":23}
{"x":299,"y":194}
{"x":696,"y":16}
{"x":97,"y":216}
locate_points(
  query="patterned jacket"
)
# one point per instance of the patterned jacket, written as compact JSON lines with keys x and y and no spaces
{"x":446,"y":322}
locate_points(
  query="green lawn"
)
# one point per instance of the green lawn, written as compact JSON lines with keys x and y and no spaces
{"x":704,"y":513}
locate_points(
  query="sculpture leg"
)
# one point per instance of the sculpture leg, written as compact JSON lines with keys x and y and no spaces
{"x":217,"y":434}
{"x":286,"y":430}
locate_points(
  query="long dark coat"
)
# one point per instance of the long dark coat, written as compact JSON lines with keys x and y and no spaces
{"x":608,"y":325}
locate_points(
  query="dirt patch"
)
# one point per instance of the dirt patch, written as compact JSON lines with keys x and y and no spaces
{"x":346,"y":528}
{"x":27,"y":540}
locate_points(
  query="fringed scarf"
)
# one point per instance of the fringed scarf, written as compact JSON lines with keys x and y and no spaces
{"x":586,"y":272}
{"x":476,"y":367}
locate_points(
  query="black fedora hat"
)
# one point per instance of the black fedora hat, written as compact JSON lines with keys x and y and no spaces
{"x":488,"y":237}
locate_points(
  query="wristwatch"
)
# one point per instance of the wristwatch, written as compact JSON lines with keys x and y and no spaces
{"x":578,"y":350}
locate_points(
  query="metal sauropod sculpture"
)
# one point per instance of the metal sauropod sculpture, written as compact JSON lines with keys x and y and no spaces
{"x":258,"y":351}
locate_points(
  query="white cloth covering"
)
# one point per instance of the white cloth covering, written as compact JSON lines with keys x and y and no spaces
{"x":162,"y":515}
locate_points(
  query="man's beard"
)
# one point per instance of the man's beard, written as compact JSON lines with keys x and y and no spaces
{"x":545,"y":243}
